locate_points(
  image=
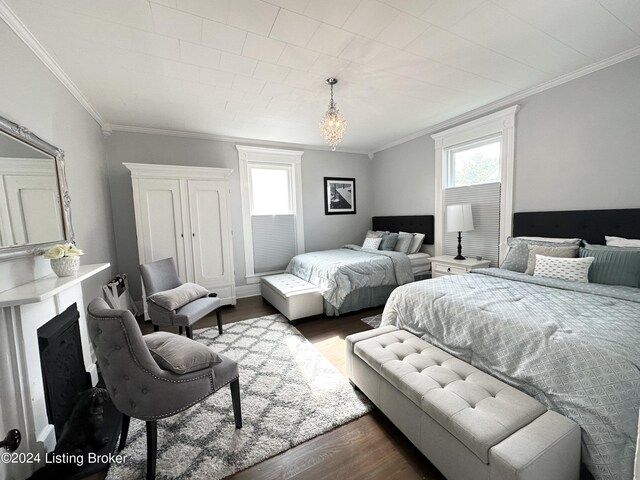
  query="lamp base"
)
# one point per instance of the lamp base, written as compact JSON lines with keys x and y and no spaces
{"x":459,"y":256}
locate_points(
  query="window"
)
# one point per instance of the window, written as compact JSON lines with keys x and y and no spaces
{"x":271,"y":209}
{"x":474,"y":165}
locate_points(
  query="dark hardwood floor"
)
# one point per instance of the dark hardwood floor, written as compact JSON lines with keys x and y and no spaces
{"x":370,"y":447}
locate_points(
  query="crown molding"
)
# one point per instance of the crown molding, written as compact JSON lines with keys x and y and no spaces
{"x":223,"y":138}
{"x":20,"y":29}
{"x":516,"y":97}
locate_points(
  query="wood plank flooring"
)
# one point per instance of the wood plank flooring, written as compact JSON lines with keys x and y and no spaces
{"x":370,"y":447}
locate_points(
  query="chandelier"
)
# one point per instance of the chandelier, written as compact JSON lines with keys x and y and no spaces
{"x":333,"y":123}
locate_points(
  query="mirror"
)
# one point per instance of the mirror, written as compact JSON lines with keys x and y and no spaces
{"x":34,"y":201}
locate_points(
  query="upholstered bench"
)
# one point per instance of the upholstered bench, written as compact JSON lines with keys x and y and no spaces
{"x":467,"y":423}
{"x":293,"y":297}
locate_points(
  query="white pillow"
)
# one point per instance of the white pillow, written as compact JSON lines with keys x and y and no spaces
{"x":621,"y":242}
{"x":371,"y":243}
{"x":416,"y":241}
{"x":567,"y":241}
{"x":572,"y":269}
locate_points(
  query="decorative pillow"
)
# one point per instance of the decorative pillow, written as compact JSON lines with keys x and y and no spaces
{"x":621,"y":242}
{"x":371,"y":243}
{"x":517,"y":257}
{"x":374,"y":234}
{"x":563,"y":241}
{"x":416,"y":241}
{"x":613,"y":266}
{"x":179,"y":296}
{"x":562,"y":252}
{"x":572,"y":269}
{"x":404,"y":242}
{"x":179,"y":354}
{"x":610,"y":248}
{"x":389,"y":241}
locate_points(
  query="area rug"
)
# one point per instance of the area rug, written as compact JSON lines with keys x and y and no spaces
{"x":290,"y":393}
{"x":373,"y":321}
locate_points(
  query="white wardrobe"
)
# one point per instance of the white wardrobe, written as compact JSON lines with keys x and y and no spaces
{"x":183,"y":212}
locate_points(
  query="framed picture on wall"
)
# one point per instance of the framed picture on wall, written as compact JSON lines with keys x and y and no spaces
{"x":339,"y":196}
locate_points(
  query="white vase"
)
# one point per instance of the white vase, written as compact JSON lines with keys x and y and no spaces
{"x":65,"y":266}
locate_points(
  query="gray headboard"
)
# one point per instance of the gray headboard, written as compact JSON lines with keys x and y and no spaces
{"x":406,"y":223}
{"x":590,"y":225}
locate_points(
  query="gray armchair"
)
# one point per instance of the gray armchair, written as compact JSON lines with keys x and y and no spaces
{"x":162,"y":275}
{"x":138,"y":387}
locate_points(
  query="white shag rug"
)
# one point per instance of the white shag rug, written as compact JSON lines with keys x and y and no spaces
{"x":290,"y":393}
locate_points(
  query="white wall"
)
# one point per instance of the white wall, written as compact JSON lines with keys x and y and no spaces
{"x":34,"y":98}
{"x":321,"y":232}
{"x":576,"y":148}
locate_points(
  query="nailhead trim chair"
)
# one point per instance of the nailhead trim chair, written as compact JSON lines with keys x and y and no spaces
{"x":162,"y":275}
{"x":138,"y":387}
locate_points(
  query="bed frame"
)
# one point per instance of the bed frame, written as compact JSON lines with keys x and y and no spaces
{"x":406,"y":223}
{"x":589,"y":225}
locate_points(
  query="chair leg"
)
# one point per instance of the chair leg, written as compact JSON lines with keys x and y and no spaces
{"x":179,"y":330}
{"x":156,"y":328}
{"x":189,"y":332}
{"x":125,"y":431}
{"x":219,"y":317}
{"x":152,"y":448}
{"x":235,"y":400}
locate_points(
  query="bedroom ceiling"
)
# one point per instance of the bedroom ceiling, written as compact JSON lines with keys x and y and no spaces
{"x":256,"y":69}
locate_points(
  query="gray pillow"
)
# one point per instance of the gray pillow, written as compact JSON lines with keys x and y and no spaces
{"x":389,"y":241}
{"x":613,"y":265}
{"x":517,"y":257}
{"x":179,"y":354}
{"x":561,"y":252}
{"x":179,"y":296}
{"x":404,"y":242}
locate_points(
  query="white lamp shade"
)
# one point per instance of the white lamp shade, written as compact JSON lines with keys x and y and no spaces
{"x":459,"y":218}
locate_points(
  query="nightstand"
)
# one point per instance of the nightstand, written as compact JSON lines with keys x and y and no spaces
{"x":446,"y":265}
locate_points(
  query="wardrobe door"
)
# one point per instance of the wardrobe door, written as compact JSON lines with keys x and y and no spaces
{"x":210,"y":242}
{"x":160,"y":222}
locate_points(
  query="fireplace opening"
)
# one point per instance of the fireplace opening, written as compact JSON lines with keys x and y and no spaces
{"x":63,"y":370}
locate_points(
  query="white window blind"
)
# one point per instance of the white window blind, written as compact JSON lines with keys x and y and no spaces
{"x":274,"y":242}
{"x":484,"y":240}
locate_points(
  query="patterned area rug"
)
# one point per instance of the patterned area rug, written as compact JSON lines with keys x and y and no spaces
{"x":373,"y":321}
{"x":290,"y":393}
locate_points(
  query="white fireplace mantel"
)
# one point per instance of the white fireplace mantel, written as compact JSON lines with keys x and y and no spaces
{"x":23,"y":310}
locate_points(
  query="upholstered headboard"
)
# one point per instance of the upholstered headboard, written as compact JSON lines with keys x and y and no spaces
{"x":590,"y":225}
{"x":406,"y":223}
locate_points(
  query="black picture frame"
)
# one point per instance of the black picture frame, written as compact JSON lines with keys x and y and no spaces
{"x":339,"y":196}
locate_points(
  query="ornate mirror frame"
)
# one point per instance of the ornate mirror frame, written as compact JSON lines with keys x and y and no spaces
{"x":23,"y":134}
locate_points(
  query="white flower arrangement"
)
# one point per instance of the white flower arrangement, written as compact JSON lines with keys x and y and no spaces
{"x":63,"y":250}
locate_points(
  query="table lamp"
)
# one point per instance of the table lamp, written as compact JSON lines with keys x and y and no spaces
{"x":459,"y":219}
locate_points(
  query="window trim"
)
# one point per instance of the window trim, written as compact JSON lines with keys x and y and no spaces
{"x":291,"y":159}
{"x":499,"y":124}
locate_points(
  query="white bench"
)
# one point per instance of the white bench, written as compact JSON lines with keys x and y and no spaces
{"x":293,"y":297}
{"x":467,"y":423}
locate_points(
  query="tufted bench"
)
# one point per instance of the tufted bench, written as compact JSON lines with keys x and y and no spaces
{"x":293,"y":297}
{"x":469,"y":424}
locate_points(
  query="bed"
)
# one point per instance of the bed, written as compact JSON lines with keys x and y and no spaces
{"x":573,"y":346}
{"x":352,"y":278}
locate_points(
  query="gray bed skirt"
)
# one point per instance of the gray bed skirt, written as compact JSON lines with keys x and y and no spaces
{"x":360,"y":298}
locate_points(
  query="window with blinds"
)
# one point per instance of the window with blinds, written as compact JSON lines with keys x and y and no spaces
{"x":484,"y":239}
{"x":272,"y":216}
{"x":473,"y":177}
{"x":273,"y":221}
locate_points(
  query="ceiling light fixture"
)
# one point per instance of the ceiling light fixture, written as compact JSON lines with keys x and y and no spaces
{"x":333,"y":123}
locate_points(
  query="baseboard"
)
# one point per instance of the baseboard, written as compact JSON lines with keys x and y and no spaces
{"x":244,"y":291}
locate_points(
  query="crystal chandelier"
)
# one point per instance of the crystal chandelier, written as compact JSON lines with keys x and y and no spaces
{"x":333,"y":123}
